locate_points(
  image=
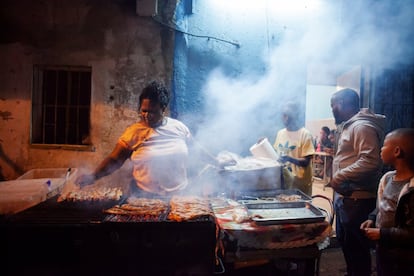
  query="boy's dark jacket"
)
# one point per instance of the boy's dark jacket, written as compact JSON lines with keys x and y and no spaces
{"x":399,"y":240}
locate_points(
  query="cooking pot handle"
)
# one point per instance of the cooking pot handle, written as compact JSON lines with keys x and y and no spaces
{"x":331,"y":213}
{"x":220,"y":266}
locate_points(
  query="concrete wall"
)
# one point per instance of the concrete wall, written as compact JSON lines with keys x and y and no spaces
{"x":125,"y":51}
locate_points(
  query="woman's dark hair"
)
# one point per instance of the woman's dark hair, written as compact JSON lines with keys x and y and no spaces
{"x":326,"y":130}
{"x":156,"y":92}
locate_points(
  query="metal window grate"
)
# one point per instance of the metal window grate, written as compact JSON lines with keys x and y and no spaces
{"x":61,"y":105}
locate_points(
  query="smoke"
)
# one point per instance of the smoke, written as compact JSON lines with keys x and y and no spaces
{"x":242,"y":109}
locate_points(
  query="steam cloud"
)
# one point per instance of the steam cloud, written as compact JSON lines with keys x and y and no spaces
{"x":345,"y":33}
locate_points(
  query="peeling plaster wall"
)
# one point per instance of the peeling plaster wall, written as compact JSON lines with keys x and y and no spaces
{"x":124,"y":50}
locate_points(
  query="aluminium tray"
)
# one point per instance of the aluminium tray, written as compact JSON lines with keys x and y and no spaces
{"x":274,"y":196}
{"x":283,"y":213}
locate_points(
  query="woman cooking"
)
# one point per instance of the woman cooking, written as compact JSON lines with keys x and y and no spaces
{"x":157,"y":146}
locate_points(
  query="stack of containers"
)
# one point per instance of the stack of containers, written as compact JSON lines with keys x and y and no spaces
{"x":33,"y":187}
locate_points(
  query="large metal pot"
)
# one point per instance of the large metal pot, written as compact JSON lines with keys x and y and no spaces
{"x":253,"y":174}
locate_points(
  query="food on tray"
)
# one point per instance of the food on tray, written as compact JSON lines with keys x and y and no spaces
{"x":288,"y":198}
{"x":140,"y":207}
{"x":251,"y":163}
{"x":97,"y":194}
{"x":179,"y":208}
{"x":240,"y":214}
{"x":146,"y":202}
{"x":188,"y":207}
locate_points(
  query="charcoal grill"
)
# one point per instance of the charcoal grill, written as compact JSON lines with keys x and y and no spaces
{"x":79,"y":238}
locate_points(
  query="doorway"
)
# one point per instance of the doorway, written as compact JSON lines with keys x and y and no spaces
{"x":322,"y":81}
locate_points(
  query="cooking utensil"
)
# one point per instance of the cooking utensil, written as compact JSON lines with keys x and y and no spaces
{"x":280,"y":213}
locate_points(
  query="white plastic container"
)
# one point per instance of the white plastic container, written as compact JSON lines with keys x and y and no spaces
{"x":47,"y":173}
{"x":18,"y":195}
{"x":31,"y":188}
{"x":53,"y":178}
{"x":263,"y":149}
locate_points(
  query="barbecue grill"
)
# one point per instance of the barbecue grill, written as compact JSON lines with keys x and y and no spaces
{"x":79,"y":238}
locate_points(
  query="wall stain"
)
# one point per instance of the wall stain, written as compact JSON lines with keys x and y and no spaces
{"x":15,"y":167}
{"x":6,"y":115}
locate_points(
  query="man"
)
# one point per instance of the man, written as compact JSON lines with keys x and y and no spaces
{"x":294,"y":144}
{"x":356,"y":171}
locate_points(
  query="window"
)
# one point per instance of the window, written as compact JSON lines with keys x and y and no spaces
{"x":61,"y":106}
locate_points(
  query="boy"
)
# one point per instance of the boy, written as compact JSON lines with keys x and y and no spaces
{"x":294,"y":144}
{"x":393,"y":217}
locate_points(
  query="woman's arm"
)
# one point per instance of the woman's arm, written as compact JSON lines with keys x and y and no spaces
{"x":110,"y":164}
